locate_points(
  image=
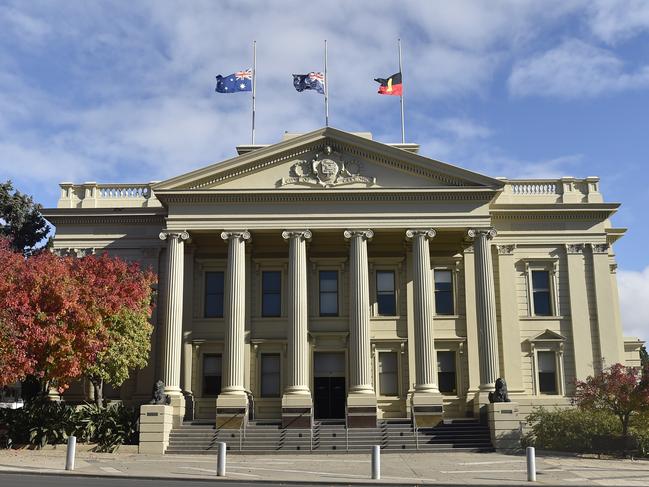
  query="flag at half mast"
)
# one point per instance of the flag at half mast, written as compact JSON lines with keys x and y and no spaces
{"x":312,"y":81}
{"x":239,"y":81}
{"x":391,"y":85}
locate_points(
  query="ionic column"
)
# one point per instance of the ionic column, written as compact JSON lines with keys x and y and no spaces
{"x":359,"y":313}
{"x":298,"y":347}
{"x":234,"y":313}
{"x":426,"y":363}
{"x":173,"y":311}
{"x":486,"y":307}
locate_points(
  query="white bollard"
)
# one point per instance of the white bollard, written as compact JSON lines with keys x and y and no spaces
{"x":220,"y":466}
{"x":531,"y":464}
{"x":376,"y":462}
{"x":72,"y":447}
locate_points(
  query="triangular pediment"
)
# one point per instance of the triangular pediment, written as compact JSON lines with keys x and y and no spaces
{"x":547,"y":336}
{"x":328,"y":158}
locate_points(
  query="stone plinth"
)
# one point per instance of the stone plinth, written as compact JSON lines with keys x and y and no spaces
{"x":504,"y":425}
{"x":177,"y":404}
{"x":428,"y":409}
{"x":361,"y":410}
{"x":296,"y":411}
{"x":156,"y":422}
{"x":231,"y":411}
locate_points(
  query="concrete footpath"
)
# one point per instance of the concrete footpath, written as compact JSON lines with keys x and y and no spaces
{"x":398,"y":468}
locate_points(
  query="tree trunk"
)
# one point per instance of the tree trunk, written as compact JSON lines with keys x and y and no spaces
{"x":98,"y":386}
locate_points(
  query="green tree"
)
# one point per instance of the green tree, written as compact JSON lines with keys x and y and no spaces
{"x":20,"y":219}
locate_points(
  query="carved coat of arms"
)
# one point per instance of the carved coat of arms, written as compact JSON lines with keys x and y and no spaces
{"x":327,"y":168}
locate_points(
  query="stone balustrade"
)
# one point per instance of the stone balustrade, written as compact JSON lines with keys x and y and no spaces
{"x":563,"y":190}
{"x":119,"y":195}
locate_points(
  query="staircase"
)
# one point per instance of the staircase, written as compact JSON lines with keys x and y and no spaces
{"x":330,"y":436}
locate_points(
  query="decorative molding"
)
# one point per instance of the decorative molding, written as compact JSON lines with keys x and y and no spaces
{"x":327,"y":168}
{"x":575,"y":248}
{"x":366,"y":234}
{"x":303,"y":234}
{"x":166,"y":234}
{"x":427,"y":233}
{"x":613,"y":268}
{"x":506,"y":249}
{"x":489,"y":233}
{"x":231,"y":234}
{"x":599,"y":248}
{"x":469,"y":250}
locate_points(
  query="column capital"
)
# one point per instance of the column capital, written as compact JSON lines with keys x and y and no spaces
{"x":478,"y":232}
{"x":426,"y":232}
{"x":241,"y":234}
{"x":367,"y":234}
{"x":506,"y":249}
{"x":166,"y":234}
{"x":599,"y":248}
{"x":303,"y":234}
{"x":575,"y":248}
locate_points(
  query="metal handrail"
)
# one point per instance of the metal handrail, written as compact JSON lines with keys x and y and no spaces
{"x":312,"y":422}
{"x":346,"y":428}
{"x":414,"y":425}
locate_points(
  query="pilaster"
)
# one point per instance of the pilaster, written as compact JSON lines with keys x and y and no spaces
{"x":361,"y":401}
{"x":473,"y":353}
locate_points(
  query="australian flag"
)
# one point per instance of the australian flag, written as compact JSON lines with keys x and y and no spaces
{"x":311,"y":81}
{"x":239,"y":81}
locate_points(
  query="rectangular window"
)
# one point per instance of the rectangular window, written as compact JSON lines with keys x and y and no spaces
{"x":214,"y":294}
{"x":270,"y":375}
{"x":444,"y":292}
{"x":541,"y":293}
{"x":385,"y":293}
{"x":211,"y":374}
{"x":547,"y":372}
{"x":328,"y":293}
{"x":271,"y":289}
{"x":388,"y":374}
{"x":446,"y":372}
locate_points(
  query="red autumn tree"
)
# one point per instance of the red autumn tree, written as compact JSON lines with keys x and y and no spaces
{"x":47,"y":331}
{"x":619,"y":390}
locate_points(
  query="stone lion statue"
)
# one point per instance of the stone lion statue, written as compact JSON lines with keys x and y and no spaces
{"x":159,"y":396}
{"x":500,"y":394}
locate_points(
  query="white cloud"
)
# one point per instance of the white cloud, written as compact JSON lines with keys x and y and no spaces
{"x":463,"y":128}
{"x":634,"y":296}
{"x":575,"y":69}
{"x":618,"y":20}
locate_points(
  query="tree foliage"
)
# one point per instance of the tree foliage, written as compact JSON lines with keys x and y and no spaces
{"x":20,"y":219}
{"x":619,"y":390}
{"x":63,"y":317}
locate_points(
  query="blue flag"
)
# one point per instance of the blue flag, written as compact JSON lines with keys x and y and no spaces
{"x":239,"y":81}
{"x":311,"y":81}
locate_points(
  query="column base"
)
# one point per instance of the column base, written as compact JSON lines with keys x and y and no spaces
{"x":297,"y":411}
{"x":231,"y":411}
{"x":480,"y":404}
{"x":177,"y":403}
{"x":504,"y":425}
{"x":361,"y":410}
{"x":428,"y":408}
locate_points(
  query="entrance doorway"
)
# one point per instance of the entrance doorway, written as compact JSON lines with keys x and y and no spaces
{"x":329,"y":385}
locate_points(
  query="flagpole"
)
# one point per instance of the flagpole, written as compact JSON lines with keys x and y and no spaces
{"x":254,"y":86}
{"x":326,"y":88}
{"x":403,"y":127}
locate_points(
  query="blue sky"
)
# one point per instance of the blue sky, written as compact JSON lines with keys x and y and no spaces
{"x":124,"y":91}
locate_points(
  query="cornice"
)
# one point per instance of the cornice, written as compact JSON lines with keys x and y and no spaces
{"x":72,"y":216}
{"x":265,"y":196}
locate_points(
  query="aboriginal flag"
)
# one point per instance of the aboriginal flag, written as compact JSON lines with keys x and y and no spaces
{"x":390,"y":86}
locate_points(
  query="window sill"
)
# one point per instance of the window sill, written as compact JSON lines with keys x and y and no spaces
{"x":541,"y":318}
{"x":447,"y":317}
{"x":386,"y":318}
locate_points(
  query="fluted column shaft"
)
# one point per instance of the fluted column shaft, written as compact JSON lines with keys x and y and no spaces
{"x":235,"y":312}
{"x":173,"y":310}
{"x":298,"y":347}
{"x":359,"y":313}
{"x":486,"y":307}
{"x":426,"y":364}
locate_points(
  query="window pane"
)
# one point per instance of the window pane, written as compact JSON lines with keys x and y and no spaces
{"x":541,"y":280}
{"x":270,"y":375}
{"x":271,"y":281}
{"x":328,"y":281}
{"x":329,"y":304}
{"x":446,"y":375}
{"x":444,"y":304}
{"x":214,"y":294}
{"x":388,"y":369}
{"x":387,"y":304}
{"x":385,"y":281}
{"x":542,"y":306}
{"x":547,"y":362}
{"x":211,"y":375}
{"x":271,"y":305}
{"x":547,"y":382}
{"x":446,"y":361}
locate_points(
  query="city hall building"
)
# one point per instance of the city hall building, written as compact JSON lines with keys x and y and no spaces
{"x":331,"y":276}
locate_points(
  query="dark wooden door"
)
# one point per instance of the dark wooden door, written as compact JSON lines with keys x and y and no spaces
{"x":329,"y":397}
